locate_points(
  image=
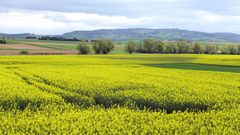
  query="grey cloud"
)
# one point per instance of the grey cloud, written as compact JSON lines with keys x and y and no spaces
{"x":223,"y":7}
{"x":164,"y":13}
{"x":127,"y":7}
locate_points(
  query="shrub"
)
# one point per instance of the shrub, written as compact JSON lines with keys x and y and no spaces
{"x":152,"y":46}
{"x":148,"y":45}
{"x":211,"y":49}
{"x":103,"y":46}
{"x":84,"y":48}
{"x":231,"y":49}
{"x":198,"y":49}
{"x":131,"y":46}
{"x":3,"y":41}
{"x":24,"y":52}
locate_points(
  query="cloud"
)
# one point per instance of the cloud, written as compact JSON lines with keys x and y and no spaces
{"x":59,"y":16}
{"x":14,"y":21}
{"x":95,"y":19}
{"x":127,"y":7}
{"x":222,"y":7}
{"x":49,"y":22}
{"x":133,"y":8}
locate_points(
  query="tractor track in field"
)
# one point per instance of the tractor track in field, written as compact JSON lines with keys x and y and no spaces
{"x":42,"y":85}
{"x":83,"y":100}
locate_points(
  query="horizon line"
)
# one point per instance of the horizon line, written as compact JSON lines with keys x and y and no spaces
{"x":124,"y":29}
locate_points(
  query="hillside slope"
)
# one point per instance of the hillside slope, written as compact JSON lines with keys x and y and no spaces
{"x":141,"y":34}
{"x":163,"y":34}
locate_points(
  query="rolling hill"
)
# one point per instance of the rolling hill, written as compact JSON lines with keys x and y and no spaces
{"x":142,"y":33}
{"x":21,"y":35}
{"x":163,"y":34}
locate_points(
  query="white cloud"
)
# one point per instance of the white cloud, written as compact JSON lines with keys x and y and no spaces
{"x":58,"y":16}
{"x":52,"y":22}
{"x":209,"y":17}
{"x":14,"y":21}
{"x":95,"y":19}
{"x":44,"y":22}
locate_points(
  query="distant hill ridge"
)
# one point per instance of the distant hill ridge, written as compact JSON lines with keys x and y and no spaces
{"x":142,"y":33}
{"x":21,"y":35}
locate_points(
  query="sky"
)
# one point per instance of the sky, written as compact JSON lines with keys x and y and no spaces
{"x":60,"y":16}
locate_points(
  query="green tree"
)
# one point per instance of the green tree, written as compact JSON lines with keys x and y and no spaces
{"x":232,"y":49}
{"x":103,"y":46}
{"x":188,"y":48}
{"x":159,"y":46}
{"x":84,"y":48}
{"x":211,"y":49}
{"x":171,"y":48}
{"x":184,"y":46}
{"x":140,"y":47}
{"x":181,"y":44}
{"x":224,"y":50}
{"x":131,"y":46}
{"x":198,"y":49}
{"x":3,"y":41}
{"x":148,"y":45}
{"x":238,"y":49}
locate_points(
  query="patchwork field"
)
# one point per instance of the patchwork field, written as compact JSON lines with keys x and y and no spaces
{"x":36,"y":47}
{"x":15,"y":46}
{"x":120,"y":94}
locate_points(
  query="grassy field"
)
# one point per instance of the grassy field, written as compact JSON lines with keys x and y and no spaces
{"x":120,"y":94}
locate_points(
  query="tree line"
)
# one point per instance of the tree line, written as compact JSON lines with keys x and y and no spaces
{"x":60,"y":39}
{"x":179,"y":47}
{"x":98,"y":46}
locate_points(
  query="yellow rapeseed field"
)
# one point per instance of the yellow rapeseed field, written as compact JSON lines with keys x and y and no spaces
{"x":120,"y":94}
